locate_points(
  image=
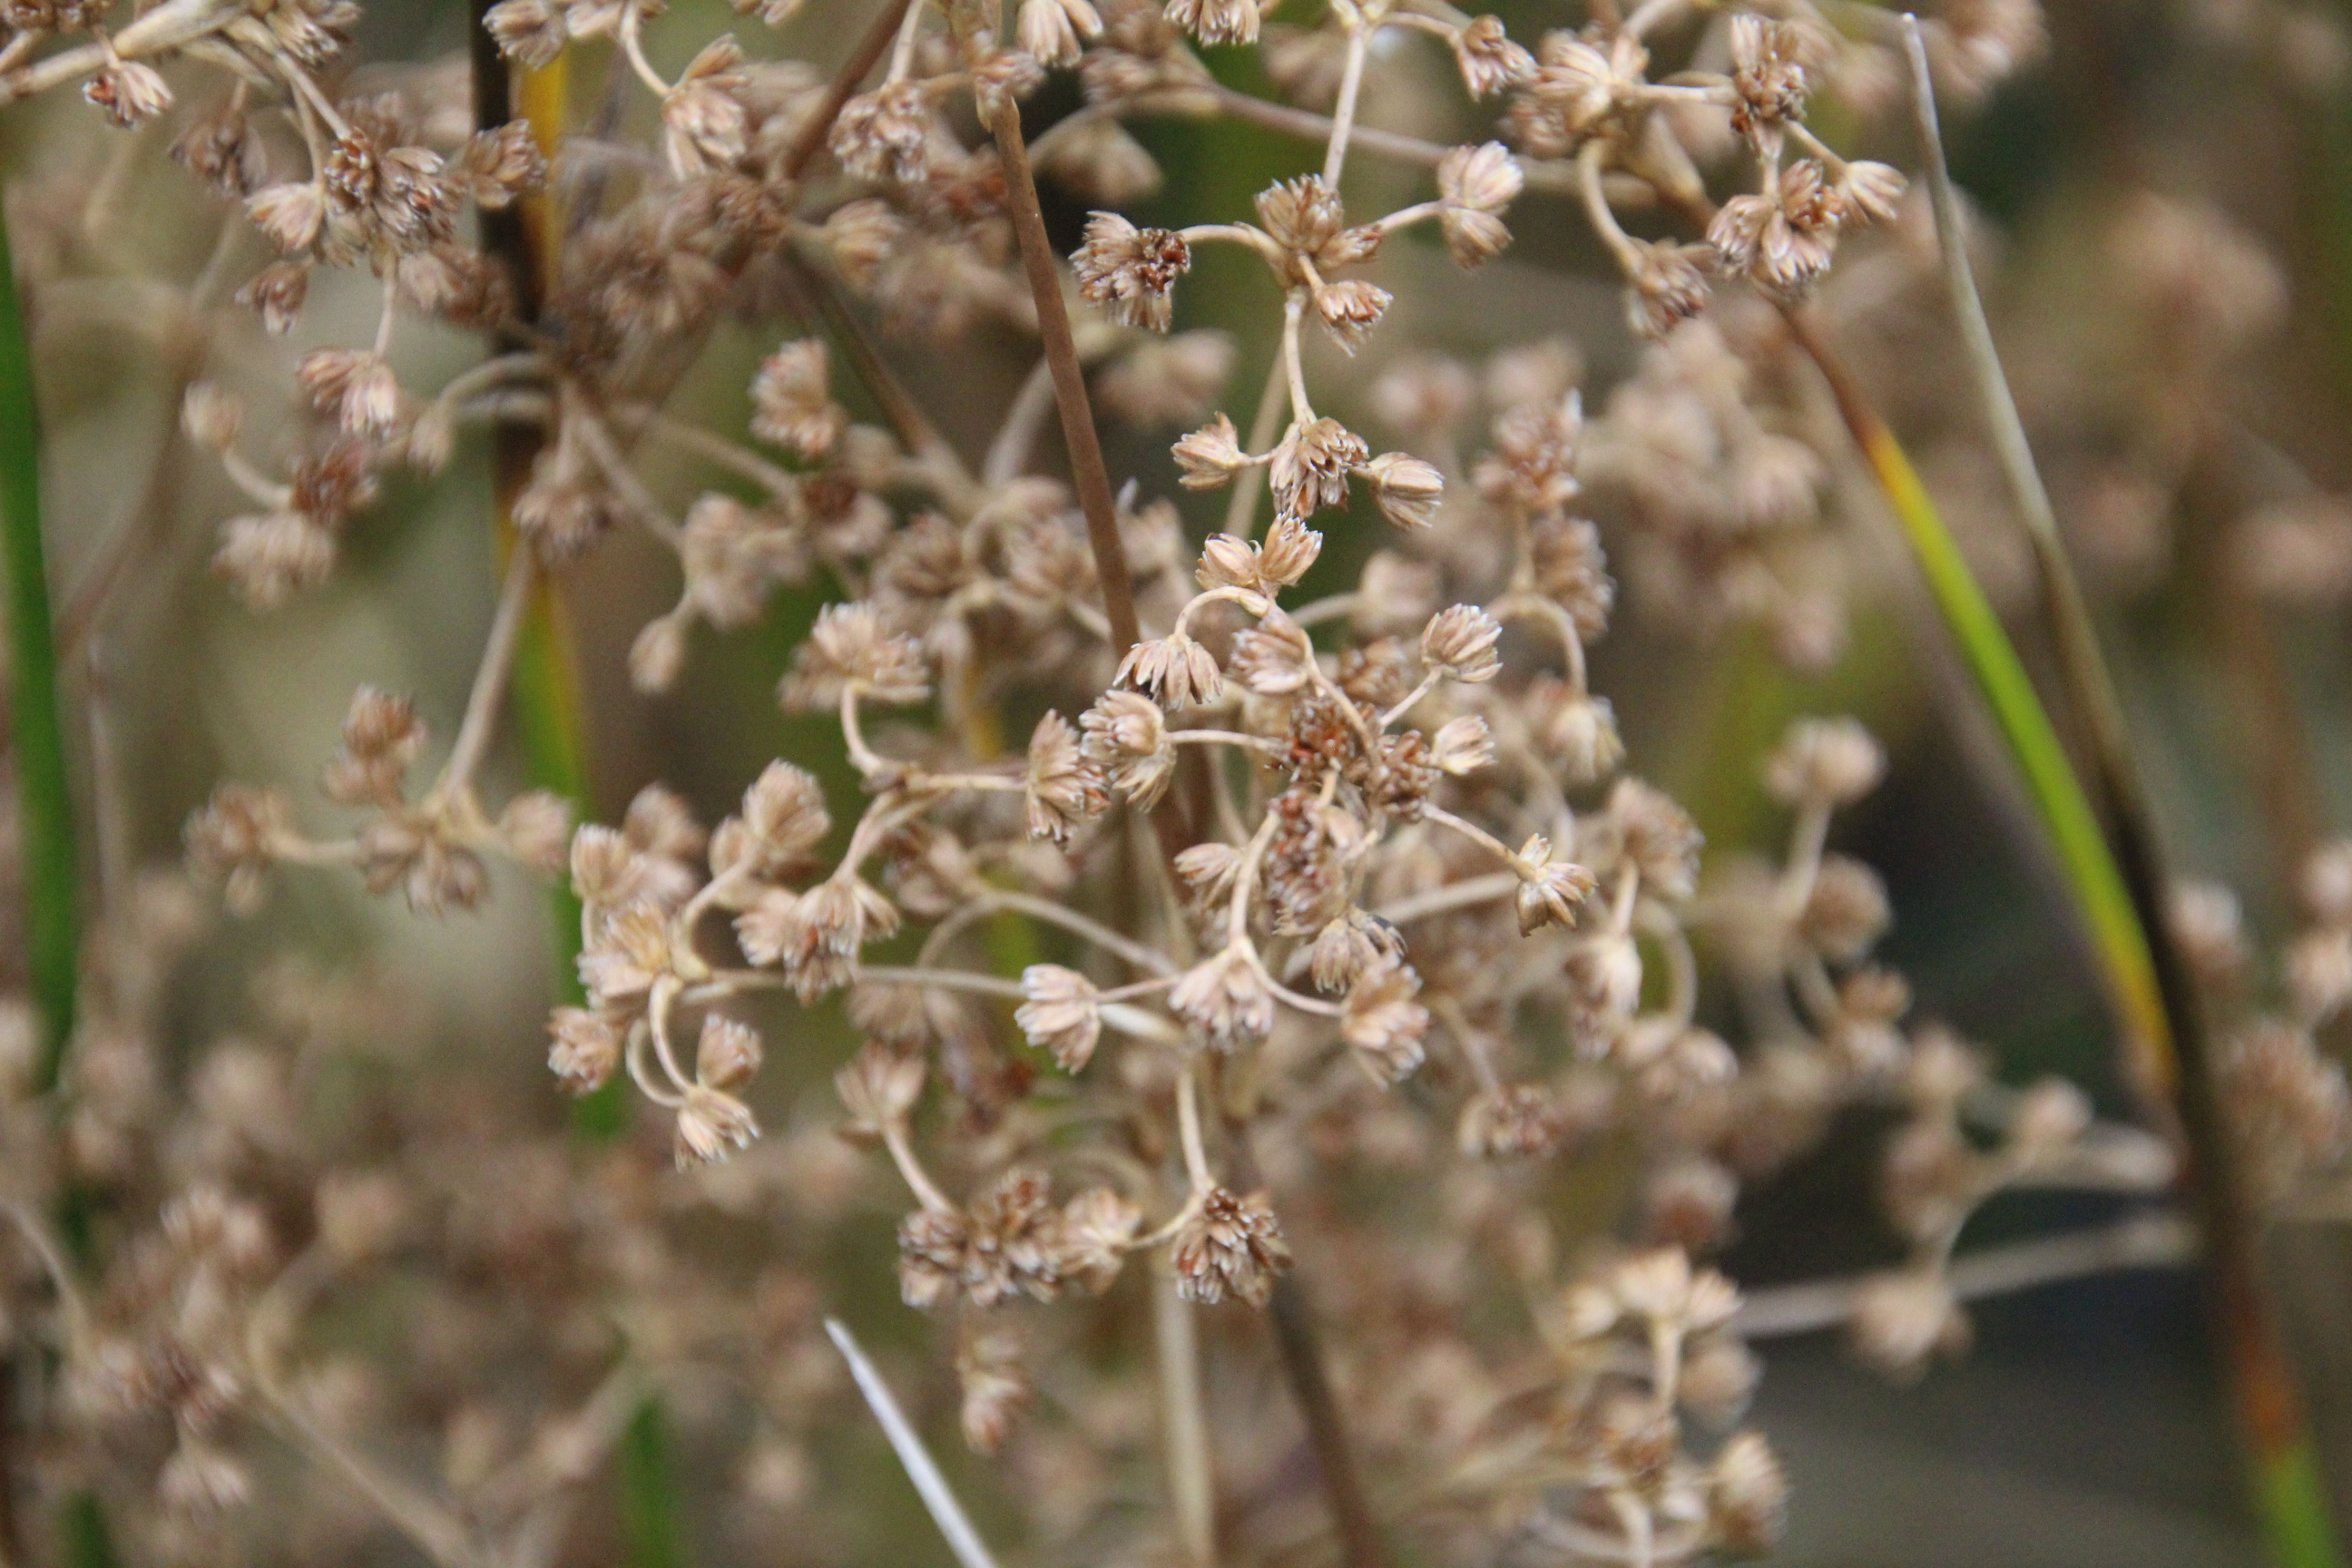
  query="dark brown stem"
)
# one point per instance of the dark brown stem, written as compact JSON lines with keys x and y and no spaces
{"x":1078,"y":434}
{"x":1298,"y":1345}
{"x":871,"y":48}
{"x":1038,"y":260}
{"x":814,"y":293}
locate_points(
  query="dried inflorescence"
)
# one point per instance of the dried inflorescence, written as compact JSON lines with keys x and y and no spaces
{"x":1302,"y":817}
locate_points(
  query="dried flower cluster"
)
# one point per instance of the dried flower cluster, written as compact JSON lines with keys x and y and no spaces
{"x":1347,"y":940}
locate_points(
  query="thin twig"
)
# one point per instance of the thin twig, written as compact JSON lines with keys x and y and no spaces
{"x":932,"y":1486}
{"x":490,"y":680}
{"x":2143,"y":1241}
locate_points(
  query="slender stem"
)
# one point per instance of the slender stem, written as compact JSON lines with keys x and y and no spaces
{"x":871,"y":46}
{"x":2142,"y":1241}
{"x":1009,"y":453}
{"x":932,"y":1486}
{"x":1294,"y":308}
{"x":491,"y":680}
{"x":902,"y":50}
{"x":1191,"y":1486}
{"x":2177,"y":1048}
{"x":1343,"y":116}
{"x":818,"y":296}
{"x":632,"y":25}
{"x":51,"y":873}
{"x":1037,"y":260}
{"x":1093,"y":930}
{"x":1298,"y":1348}
{"x":1241,"y":507}
{"x":1187,"y":1129}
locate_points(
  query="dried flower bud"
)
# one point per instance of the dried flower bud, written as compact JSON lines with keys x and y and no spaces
{"x":1383,"y":1024}
{"x":1216,"y":21}
{"x":1052,"y":29}
{"x":885,"y":135}
{"x":1308,"y":470}
{"x":712,"y":1125}
{"x":727,"y":1055}
{"x":1273,"y":657}
{"x":1846,"y":911}
{"x":995,"y":1385}
{"x":1464,"y":745}
{"x":792,"y":400}
{"x":1661,"y":1288}
{"x":1174,"y":670}
{"x":658,"y":654}
{"x":1551,"y":892}
{"x":1229,"y":1245}
{"x":1097,"y":1228}
{"x":1872,"y":192}
{"x":236,"y":838}
{"x":130,"y":92}
{"x":878,"y":1088}
{"x":290,"y":216}
{"x":1061,"y":1014}
{"x":585,"y":1049}
{"x":360,"y":388}
{"x":2048,"y":1117}
{"x":1003,"y":80}
{"x":1210,"y":455}
{"x":1514,"y":1122}
{"x":1902,"y":1319}
{"x":1225,"y":1000}
{"x":1747,"y":1496}
{"x":1126,"y":738}
{"x":1669,"y":286}
{"x":1349,"y":310}
{"x":1130,"y":273}
{"x":1576,"y":731}
{"x":528,"y":32}
{"x":1407,"y":489}
{"x":536,"y":827}
{"x":1827,"y":762}
{"x":1490,"y":61}
{"x":1065,"y":790}
{"x":1460,"y":642}
{"x":851,"y":648}
{"x":1475,"y":184}
{"x":212,"y":415}
{"x":276,"y":293}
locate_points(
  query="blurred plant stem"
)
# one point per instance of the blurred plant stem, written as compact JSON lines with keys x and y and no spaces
{"x":45,"y":798}
{"x":2115,"y":873}
{"x":45,"y":802}
{"x":546,"y":698}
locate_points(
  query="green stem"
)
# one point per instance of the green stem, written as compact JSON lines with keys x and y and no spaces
{"x":44,"y":800}
{"x":2119,"y":888}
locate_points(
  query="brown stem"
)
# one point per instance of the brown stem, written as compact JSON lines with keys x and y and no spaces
{"x":870,"y":49}
{"x":1037,"y":260}
{"x":1078,"y":434}
{"x":815,"y":293}
{"x":1298,"y":1345}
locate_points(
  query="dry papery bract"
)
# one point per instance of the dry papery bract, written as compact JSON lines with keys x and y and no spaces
{"x":1356,"y":941}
